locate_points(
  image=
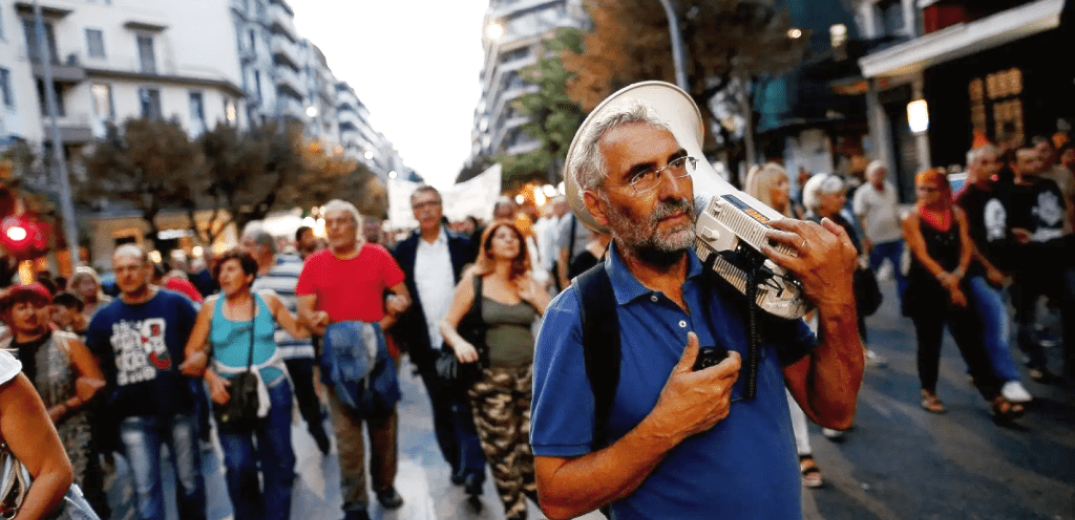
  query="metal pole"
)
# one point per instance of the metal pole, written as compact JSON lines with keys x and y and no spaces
{"x":677,"y":44}
{"x":67,"y":208}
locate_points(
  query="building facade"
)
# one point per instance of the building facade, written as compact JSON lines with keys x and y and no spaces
{"x":996,"y":70}
{"x":514,"y":32}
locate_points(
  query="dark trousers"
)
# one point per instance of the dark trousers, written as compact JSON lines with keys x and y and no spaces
{"x":1059,"y":285}
{"x":967,"y":332}
{"x":302,"y":377}
{"x":454,"y":427}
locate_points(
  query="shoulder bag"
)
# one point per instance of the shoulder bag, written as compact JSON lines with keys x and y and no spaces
{"x":240,"y":413}
{"x":461,"y":376}
{"x":15,"y":481}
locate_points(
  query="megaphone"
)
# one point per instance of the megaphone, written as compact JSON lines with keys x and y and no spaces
{"x":731,"y":226}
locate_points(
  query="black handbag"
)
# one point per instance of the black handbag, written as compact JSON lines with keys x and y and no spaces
{"x":867,"y":292}
{"x":240,"y":413}
{"x":461,"y":376}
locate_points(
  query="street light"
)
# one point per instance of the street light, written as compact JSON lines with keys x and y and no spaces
{"x":494,"y":31}
{"x":368,"y":154}
{"x":795,"y":33}
{"x":392,"y":174}
{"x":311,"y":111}
{"x":677,"y":44}
{"x":918,"y":116}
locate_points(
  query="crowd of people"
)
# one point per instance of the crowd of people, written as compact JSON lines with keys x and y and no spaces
{"x":322,"y":324}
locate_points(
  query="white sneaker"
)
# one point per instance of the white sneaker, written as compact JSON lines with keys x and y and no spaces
{"x":873,"y":359}
{"x":1014,"y":392}
{"x":833,"y":435}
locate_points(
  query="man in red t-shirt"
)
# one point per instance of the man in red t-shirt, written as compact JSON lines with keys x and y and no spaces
{"x":346,"y":282}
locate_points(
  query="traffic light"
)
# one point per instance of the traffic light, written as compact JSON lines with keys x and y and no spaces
{"x":22,"y":238}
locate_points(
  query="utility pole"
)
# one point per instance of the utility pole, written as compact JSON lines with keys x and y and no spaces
{"x":59,"y":159}
{"x":677,"y":44}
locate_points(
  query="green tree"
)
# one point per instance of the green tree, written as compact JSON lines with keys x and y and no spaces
{"x":554,"y":116}
{"x":150,"y":164}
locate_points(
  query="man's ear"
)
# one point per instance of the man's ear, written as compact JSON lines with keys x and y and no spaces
{"x":597,"y":207}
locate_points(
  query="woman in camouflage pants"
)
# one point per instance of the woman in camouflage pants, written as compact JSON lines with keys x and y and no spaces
{"x":510,"y":302}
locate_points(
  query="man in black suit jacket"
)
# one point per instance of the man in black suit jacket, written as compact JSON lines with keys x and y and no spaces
{"x":433,"y":258}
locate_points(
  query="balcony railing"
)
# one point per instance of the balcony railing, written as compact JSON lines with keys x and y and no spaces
{"x":289,"y":80}
{"x":286,"y":52}
{"x":289,"y":106}
{"x":282,"y":21}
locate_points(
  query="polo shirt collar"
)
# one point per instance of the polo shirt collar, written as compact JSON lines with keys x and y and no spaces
{"x":626,"y":287}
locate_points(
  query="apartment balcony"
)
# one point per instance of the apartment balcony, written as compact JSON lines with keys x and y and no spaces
{"x":73,"y":128}
{"x":285,"y":52}
{"x":523,"y":146}
{"x":287,"y":106}
{"x":290,"y":82}
{"x":282,"y":21}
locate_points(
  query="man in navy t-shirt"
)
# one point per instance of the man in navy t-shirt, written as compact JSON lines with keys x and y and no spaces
{"x":683,"y":443}
{"x":139,"y":340}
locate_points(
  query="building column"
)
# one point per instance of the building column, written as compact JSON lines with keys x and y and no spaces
{"x":921,"y":138}
{"x":880,"y":129}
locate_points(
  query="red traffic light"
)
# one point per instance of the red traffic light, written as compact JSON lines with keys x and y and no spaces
{"x":22,"y":238}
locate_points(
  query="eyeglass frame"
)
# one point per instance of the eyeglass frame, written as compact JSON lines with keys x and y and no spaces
{"x":687,"y":172}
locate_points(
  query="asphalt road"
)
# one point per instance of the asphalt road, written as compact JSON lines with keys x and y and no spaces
{"x":898,"y":462}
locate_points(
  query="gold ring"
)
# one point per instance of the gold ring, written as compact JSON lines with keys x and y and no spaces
{"x":803,"y":244}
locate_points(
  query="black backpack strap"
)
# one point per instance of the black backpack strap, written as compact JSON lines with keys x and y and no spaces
{"x":475,"y":320}
{"x":600,"y":344}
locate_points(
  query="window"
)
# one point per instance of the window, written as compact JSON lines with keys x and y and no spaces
{"x":197,"y":113}
{"x":2,"y":38}
{"x":95,"y":43}
{"x":31,"y":40}
{"x":44,"y":102}
{"x":253,"y":41}
{"x":151,"y":102}
{"x":5,"y":88}
{"x":102,"y":101}
{"x":257,"y":85}
{"x":145,"y":54}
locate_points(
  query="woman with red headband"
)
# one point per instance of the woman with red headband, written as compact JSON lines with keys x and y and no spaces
{"x":941,"y":248}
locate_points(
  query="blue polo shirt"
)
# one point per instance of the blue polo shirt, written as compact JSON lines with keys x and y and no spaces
{"x":744,"y":467}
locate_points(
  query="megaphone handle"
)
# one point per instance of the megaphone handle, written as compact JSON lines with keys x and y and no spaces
{"x":752,"y":330}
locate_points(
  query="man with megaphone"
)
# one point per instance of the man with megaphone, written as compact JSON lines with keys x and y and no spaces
{"x":685,"y":416}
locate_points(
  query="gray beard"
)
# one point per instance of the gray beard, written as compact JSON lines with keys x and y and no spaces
{"x":644,"y":241}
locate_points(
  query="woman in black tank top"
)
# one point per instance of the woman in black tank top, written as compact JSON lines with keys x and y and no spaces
{"x":936,"y":232}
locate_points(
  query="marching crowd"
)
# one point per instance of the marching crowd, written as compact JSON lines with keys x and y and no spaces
{"x":321,"y":326}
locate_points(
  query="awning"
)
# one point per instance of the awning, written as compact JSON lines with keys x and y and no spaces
{"x":963,"y":39}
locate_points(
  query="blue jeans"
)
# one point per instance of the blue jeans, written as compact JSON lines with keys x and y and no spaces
{"x":453,"y":424}
{"x":996,"y":333}
{"x":891,"y":251}
{"x":142,"y":438}
{"x":273,"y":454}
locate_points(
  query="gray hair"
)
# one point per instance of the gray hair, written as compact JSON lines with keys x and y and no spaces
{"x":818,"y":185}
{"x":262,"y":238}
{"x":425,"y":188}
{"x":132,"y":250}
{"x":874,"y":166}
{"x":588,"y":166}
{"x":342,"y":205}
{"x":976,"y":154}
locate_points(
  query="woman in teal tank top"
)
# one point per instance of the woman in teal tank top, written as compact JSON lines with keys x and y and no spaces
{"x":500,"y":400}
{"x":234,"y":323}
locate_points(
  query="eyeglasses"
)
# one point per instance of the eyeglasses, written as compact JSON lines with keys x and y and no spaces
{"x":648,"y":180}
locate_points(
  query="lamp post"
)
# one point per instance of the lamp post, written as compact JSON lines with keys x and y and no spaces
{"x":67,"y":208}
{"x":677,"y":44}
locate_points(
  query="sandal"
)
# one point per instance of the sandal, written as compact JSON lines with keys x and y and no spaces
{"x":931,"y":404}
{"x":1005,"y":410}
{"x":810,"y":472}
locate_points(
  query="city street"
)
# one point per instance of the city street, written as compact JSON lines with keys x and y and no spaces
{"x":899,"y":462}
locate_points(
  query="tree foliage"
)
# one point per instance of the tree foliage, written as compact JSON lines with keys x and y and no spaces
{"x":723,"y":39}
{"x":240,"y":176}
{"x":150,"y":164}
{"x":554,"y":117}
